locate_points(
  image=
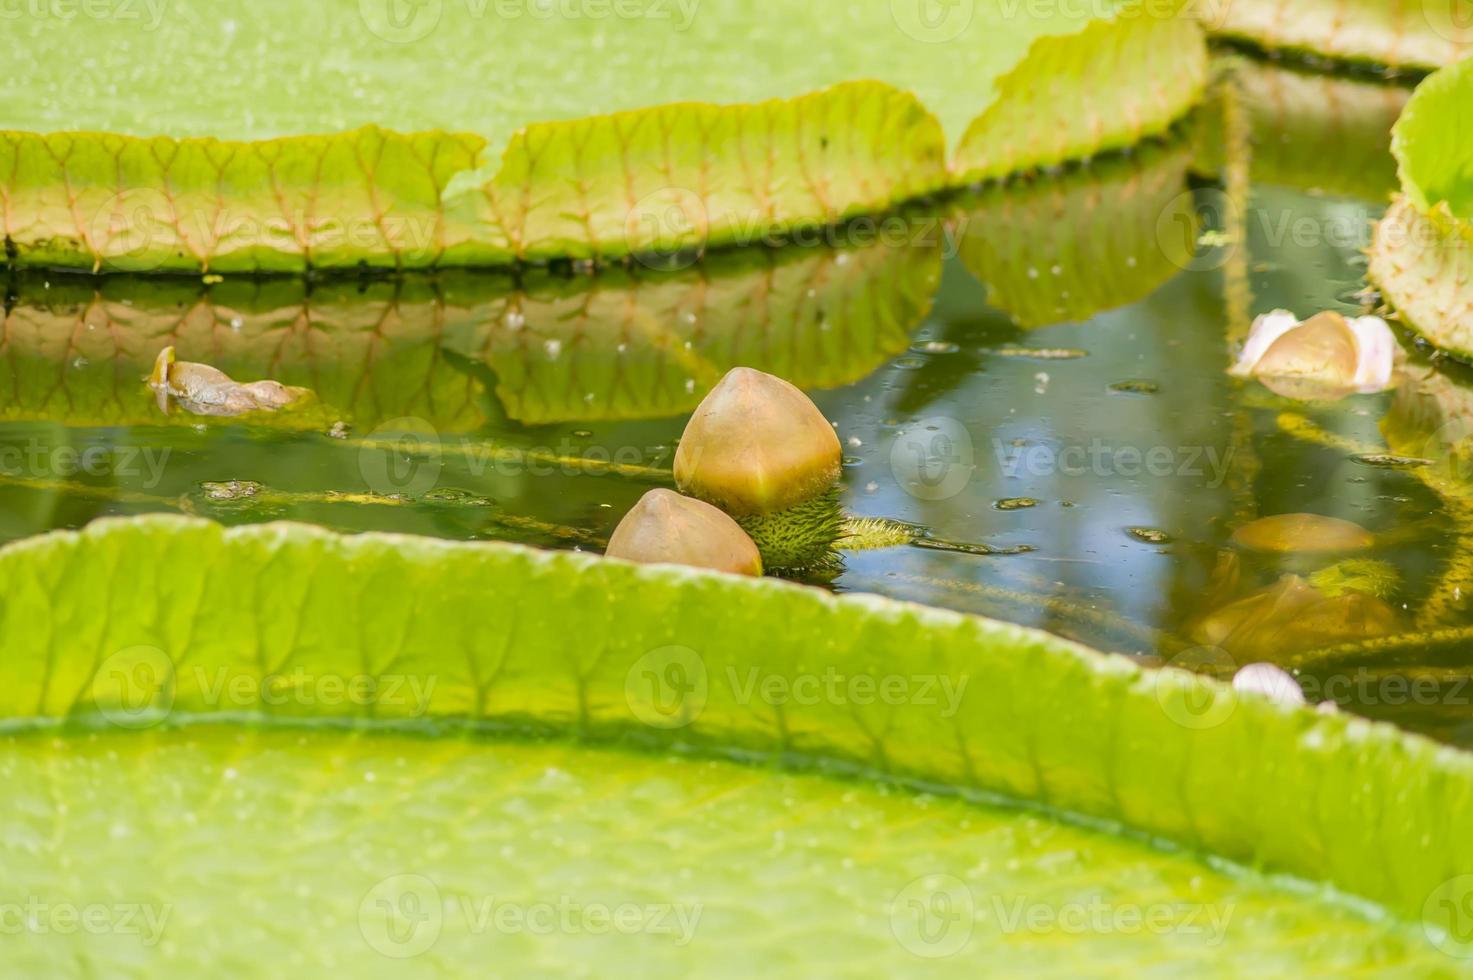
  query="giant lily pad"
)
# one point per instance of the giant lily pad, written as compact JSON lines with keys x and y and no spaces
{"x":1422,"y":254}
{"x":417,"y":714}
{"x":345,"y":134}
{"x":1405,"y":34}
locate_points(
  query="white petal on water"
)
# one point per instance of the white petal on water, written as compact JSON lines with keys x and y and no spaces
{"x":1270,"y":681}
{"x":1377,"y":348}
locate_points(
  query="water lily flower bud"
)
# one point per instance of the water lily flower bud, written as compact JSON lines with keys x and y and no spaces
{"x":756,"y":444}
{"x":1324,"y":357}
{"x":1269,"y":681}
{"x":1303,"y":534}
{"x":666,"y":528}
{"x":758,"y":448}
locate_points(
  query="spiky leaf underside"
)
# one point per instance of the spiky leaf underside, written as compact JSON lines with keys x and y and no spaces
{"x":1421,"y":257}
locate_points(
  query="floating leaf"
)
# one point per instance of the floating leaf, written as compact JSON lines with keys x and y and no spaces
{"x":1421,"y":256}
{"x":1413,"y":34}
{"x":572,"y":154}
{"x":716,"y":664}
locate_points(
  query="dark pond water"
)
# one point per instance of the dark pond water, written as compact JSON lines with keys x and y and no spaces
{"x":1034,"y":375}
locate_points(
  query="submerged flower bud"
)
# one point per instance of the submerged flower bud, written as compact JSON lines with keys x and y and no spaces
{"x":1293,"y":615}
{"x":666,"y":528}
{"x":1302,"y":534}
{"x":1324,"y":357}
{"x":757,"y":445}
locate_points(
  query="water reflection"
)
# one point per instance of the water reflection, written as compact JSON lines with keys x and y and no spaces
{"x":617,"y":346}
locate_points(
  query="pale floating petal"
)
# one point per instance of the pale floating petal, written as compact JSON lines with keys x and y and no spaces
{"x":1269,"y":681}
{"x":1378,"y":351}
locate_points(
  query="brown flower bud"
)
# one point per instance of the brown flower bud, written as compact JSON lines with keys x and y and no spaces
{"x":1316,"y":360}
{"x":1293,"y":615}
{"x":665,"y":527}
{"x":757,"y":445}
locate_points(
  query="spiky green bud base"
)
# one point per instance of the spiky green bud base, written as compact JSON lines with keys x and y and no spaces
{"x":800,"y":540}
{"x":871,"y":533}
